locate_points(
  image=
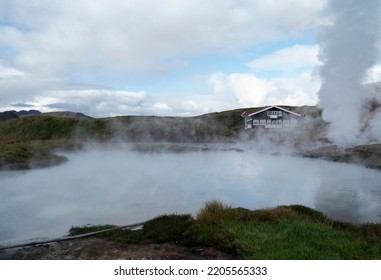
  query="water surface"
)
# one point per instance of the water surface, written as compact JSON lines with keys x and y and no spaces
{"x":118,"y":186}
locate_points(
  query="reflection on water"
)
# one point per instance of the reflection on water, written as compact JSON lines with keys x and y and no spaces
{"x":354,"y":197}
{"x":123,"y":187}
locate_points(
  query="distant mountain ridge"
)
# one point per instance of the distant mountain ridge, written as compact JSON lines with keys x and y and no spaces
{"x":67,"y":114}
{"x":24,"y":113}
{"x":9,"y":115}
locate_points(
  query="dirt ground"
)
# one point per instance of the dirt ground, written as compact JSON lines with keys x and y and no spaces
{"x":98,"y":249}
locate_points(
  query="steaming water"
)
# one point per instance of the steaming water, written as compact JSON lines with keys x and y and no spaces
{"x":122,"y":187}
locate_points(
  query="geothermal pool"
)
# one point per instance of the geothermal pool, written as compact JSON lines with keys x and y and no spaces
{"x":119,"y":186}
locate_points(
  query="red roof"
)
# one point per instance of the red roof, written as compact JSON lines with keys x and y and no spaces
{"x":247,"y":114}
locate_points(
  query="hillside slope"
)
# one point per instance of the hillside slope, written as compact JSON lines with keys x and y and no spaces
{"x":220,"y":126}
{"x":30,"y":141}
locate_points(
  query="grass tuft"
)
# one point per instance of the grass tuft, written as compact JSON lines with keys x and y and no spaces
{"x":216,"y":212}
{"x":273,"y":215}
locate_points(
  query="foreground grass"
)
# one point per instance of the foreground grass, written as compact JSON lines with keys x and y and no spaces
{"x":285,"y":232}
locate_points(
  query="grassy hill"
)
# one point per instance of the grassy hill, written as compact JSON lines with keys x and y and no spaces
{"x":31,"y":140}
{"x":50,"y":128}
{"x":64,"y":125}
{"x":128,"y":128}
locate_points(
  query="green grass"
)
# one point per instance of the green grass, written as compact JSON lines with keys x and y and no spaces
{"x":36,"y":128}
{"x":52,"y":128}
{"x":284,"y":232}
{"x":293,"y":239}
{"x":30,"y":141}
{"x":20,"y":156}
{"x":129,"y":128}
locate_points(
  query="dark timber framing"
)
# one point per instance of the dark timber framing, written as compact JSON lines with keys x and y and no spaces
{"x":271,"y":117}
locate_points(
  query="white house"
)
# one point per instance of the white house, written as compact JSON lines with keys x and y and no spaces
{"x":271,"y":117}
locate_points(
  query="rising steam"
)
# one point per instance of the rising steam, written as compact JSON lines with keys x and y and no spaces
{"x":348,"y":48}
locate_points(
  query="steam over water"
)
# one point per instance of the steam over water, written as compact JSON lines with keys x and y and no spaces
{"x":118,"y":186}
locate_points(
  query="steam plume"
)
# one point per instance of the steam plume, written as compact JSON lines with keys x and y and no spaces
{"x":348,"y":48}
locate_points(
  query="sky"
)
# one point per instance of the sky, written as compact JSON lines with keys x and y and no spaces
{"x":164,"y":58}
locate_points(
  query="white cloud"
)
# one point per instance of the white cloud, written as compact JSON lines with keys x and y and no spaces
{"x":217,"y":81}
{"x":18,"y":86}
{"x":9,"y":73}
{"x":46,"y":45}
{"x":250,"y":90}
{"x":190,"y":106}
{"x":144,"y":35}
{"x":287,"y":60}
{"x":293,"y":83}
{"x":162,"y":107}
{"x":300,"y":90}
{"x":93,"y":102}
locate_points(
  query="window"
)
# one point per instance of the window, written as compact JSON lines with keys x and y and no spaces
{"x":274,"y":113}
{"x":255,"y":122}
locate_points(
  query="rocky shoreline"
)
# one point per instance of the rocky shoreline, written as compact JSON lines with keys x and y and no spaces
{"x":365,"y":155}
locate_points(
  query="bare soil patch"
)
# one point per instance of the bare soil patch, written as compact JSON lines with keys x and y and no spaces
{"x":100,"y":249}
